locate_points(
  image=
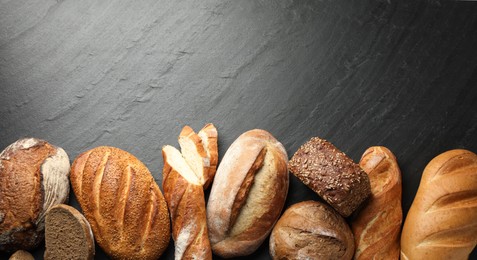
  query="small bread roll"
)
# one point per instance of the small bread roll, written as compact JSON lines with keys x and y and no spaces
{"x":311,"y":230}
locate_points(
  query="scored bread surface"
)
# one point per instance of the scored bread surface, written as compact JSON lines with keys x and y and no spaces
{"x":248,"y":194}
{"x":122,"y":202}
{"x":377,"y":226}
{"x":441,"y":223}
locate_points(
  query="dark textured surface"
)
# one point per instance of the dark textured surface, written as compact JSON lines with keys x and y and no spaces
{"x":131,"y":73}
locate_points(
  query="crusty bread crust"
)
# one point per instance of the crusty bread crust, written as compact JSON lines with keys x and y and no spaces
{"x":377,"y":227}
{"x":331,"y":174}
{"x":33,"y":178}
{"x":122,"y":202}
{"x":441,"y":223}
{"x":311,"y":230}
{"x":209,"y":136}
{"x":248,"y":194}
{"x":186,"y":204}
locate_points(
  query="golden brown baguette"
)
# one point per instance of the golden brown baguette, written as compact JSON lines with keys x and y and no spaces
{"x":122,"y":202}
{"x":200,"y":152}
{"x":377,"y":227}
{"x":248,"y":194}
{"x":185,"y":198}
{"x":442,"y":220}
{"x":209,"y":136}
{"x":311,"y":230}
{"x":33,"y":178}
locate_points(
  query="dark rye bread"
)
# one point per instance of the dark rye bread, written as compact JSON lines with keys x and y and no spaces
{"x":331,"y":174}
{"x":311,"y":230}
{"x":68,"y":234}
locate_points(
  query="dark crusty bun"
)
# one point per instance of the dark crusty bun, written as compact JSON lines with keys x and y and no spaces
{"x":33,"y":178}
{"x":311,"y":230}
{"x":68,"y":234}
{"x":21,"y":255}
{"x":331,"y":174}
{"x":248,"y":194}
{"x":122,"y":202}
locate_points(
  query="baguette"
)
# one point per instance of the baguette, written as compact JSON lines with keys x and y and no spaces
{"x":377,"y":226}
{"x":122,"y":202}
{"x":248,"y":194}
{"x":184,"y":195}
{"x":33,"y":178}
{"x":441,"y":223}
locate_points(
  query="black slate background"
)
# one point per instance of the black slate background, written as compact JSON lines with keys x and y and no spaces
{"x":130,"y":74}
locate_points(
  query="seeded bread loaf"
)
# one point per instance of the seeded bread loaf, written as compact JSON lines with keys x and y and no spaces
{"x":122,"y":202}
{"x":311,"y":230}
{"x":68,"y":234}
{"x":331,"y":174}
{"x":248,"y":194}
{"x":33,"y":178}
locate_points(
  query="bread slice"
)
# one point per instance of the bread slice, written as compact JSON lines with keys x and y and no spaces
{"x":68,"y":234}
{"x":200,"y":152}
{"x":194,"y":153}
{"x":21,"y":255}
{"x":208,"y":134}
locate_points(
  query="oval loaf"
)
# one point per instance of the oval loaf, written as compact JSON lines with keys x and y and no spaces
{"x":122,"y":202}
{"x":33,"y":178}
{"x":248,"y":194}
{"x":441,"y":223}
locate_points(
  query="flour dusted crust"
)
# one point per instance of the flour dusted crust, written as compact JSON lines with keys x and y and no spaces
{"x":33,"y":178}
{"x":248,"y":194}
{"x":331,"y":174}
{"x":122,"y":202}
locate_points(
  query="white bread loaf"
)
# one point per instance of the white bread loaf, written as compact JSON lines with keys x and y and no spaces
{"x":442,"y":220}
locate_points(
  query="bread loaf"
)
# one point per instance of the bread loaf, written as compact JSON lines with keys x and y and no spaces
{"x":21,"y":255}
{"x":68,"y":234}
{"x":331,"y":174}
{"x":185,"y":198}
{"x":200,"y":152}
{"x":248,"y":194}
{"x":122,"y":202}
{"x":442,"y":220}
{"x":377,"y":227}
{"x":33,"y":178}
{"x":311,"y":230}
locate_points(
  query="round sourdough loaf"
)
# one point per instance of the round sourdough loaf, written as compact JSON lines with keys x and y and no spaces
{"x":33,"y":178}
{"x":122,"y":202}
{"x":311,"y":230}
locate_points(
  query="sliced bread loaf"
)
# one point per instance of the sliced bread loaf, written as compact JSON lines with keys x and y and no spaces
{"x":68,"y":234}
